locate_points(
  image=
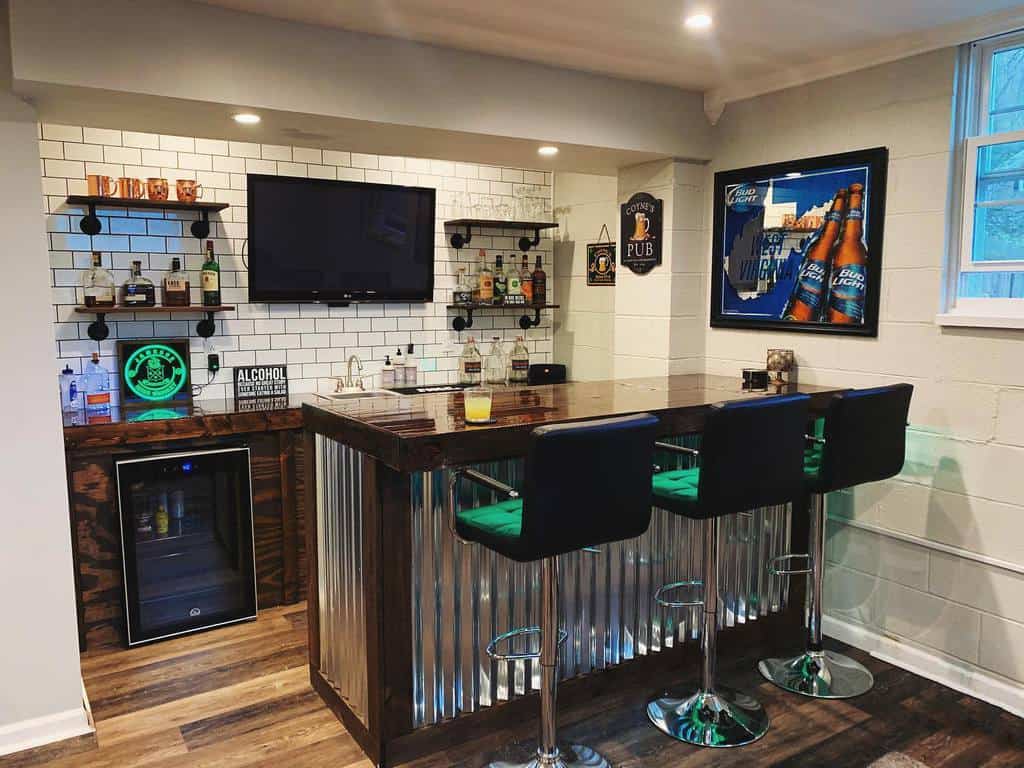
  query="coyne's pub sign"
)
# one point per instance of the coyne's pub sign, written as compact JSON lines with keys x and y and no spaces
{"x":641,"y":225}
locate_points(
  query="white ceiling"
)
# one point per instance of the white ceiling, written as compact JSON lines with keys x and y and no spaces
{"x":751,"y":40}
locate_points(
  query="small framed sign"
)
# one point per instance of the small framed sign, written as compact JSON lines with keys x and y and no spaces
{"x":261,"y":382}
{"x":601,"y":264}
{"x":640,"y":226}
{"x":154,"y":371}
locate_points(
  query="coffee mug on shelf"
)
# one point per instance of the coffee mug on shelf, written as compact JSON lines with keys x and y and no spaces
{"x":129,"y":188}
{"x":188,"y":190}
{"x":156,"y":189}
{"x":101,"y":186}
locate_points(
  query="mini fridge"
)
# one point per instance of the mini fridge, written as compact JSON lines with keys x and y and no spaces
{"x":187,"y":542}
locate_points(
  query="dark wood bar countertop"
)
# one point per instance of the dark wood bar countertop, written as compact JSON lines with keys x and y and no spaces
{"x":421,"y":432}
{"x":124,"y":427}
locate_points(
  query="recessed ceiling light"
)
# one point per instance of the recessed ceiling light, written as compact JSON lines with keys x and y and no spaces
{"x":547,"y":151}
{"x":698,"y":21}
{"x":247,"y":118}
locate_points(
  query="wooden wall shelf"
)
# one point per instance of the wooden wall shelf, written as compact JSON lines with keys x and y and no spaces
{"x":90,"y":223}
{"x":459,"y":240}
{"x":99,"y":330}
{"x":462,"y":323}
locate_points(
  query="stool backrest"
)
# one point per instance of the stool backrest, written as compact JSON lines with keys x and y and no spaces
{"x":752,"y":454}
{"x":588,"y":483}
{"x":865,"y":436}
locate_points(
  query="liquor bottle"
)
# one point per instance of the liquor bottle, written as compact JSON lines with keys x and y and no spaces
{"x":513,"y":279}
{"x":520,"y":363}
{"x":849,"y":283}
{"x":494,"y":370}
{"x":486,"y":280}
{"x":470,"y":363}
{"x":540,"y":284}
{"x":462,"y":293}
{"x":95,"y":380}
{"x":176,"y":286}
{"x":526,"y":280}
{"x":807,"y":301}
{"x":138,"y":291}
{"x":211,"y":278}
{"x":500,"y":281}
{"x":98,"y":284}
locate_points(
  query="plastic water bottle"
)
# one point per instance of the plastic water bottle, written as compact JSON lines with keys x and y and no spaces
{"x":95,"y":382}
{"x":69,"y":395}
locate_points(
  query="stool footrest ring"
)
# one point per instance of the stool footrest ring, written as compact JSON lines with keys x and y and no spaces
{"x":776,"y":566}
{"x":664,"y":603}
{"x":492,"y":646}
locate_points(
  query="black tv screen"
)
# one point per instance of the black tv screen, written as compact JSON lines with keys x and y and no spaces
{"x":339,"y":241}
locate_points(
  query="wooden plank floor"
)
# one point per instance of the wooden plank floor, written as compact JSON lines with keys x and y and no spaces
{"x":239,"y":696}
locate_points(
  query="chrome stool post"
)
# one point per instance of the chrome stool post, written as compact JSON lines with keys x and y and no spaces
{"x":554,"y":517}
{"x":864,"y":440}
{"x":713,"y":716}
{"x":816,"y":672}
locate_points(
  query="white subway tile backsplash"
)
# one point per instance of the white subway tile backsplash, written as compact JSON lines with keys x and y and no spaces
{"x":90,"y":152}
{"x":64,"y":168}
{"x":101,"y":136}
{"x":129,"y":155}
{"x":313,"y":339}
{"x":275,"y":152}
{"x":178,"y":143}
{"x":140,"y":140}
{"x":61,"y":132}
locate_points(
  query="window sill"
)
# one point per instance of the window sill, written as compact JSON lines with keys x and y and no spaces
{"x":964,"y":320}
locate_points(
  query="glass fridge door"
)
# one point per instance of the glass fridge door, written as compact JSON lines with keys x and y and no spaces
{"x":187,"y":541}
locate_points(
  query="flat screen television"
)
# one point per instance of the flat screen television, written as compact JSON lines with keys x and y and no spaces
{"x":316,"y":240}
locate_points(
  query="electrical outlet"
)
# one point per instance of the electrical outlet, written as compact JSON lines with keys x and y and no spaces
{"x":213,"y":362}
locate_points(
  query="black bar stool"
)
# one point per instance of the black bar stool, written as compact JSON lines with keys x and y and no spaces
{"x":865,"y":434}
{"x":586,"y":483}
{"x":751,"y":456}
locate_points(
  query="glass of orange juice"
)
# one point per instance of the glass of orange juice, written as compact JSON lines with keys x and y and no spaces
{"x":478,"y":405}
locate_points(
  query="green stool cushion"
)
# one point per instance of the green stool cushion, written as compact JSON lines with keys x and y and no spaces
{"x":502,"y":520}
{"x":813,"y":457}
{"x":676,"y":490}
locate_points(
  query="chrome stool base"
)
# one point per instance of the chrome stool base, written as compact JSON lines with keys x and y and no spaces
{"x":577,"y":757}
{"x":819,"y":674}
{"x":719,"y":718}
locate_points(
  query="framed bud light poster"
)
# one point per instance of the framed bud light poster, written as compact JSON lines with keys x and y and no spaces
{"x":798,"y":245}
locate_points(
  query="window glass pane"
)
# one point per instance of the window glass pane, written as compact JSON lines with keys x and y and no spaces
{"x":1007,"y":80}
{"x":991,"y":285}
{"x":998,"y":233}
{"x":1012,"y":120}
{"x":1000,"y":172}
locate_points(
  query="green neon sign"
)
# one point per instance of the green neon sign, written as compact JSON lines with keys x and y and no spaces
{"x":155,"y":372}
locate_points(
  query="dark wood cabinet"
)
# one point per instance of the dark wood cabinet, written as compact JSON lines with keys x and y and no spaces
{"x":274,"y":439}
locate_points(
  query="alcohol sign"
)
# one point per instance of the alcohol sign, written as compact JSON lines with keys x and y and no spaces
{"x":254,"y":382}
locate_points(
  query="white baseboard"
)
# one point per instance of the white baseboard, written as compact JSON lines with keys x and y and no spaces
{"x":39,"y":731}
{"x":958,"y":675}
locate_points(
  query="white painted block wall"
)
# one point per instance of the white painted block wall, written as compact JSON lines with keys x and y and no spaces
{"x":313,"y":340}
{"x":935,"y":557}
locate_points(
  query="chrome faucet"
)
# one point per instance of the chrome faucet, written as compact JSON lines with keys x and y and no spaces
{"x":348,"y":377}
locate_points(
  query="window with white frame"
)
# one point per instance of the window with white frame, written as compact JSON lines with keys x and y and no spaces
{"x":988,"y":227}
